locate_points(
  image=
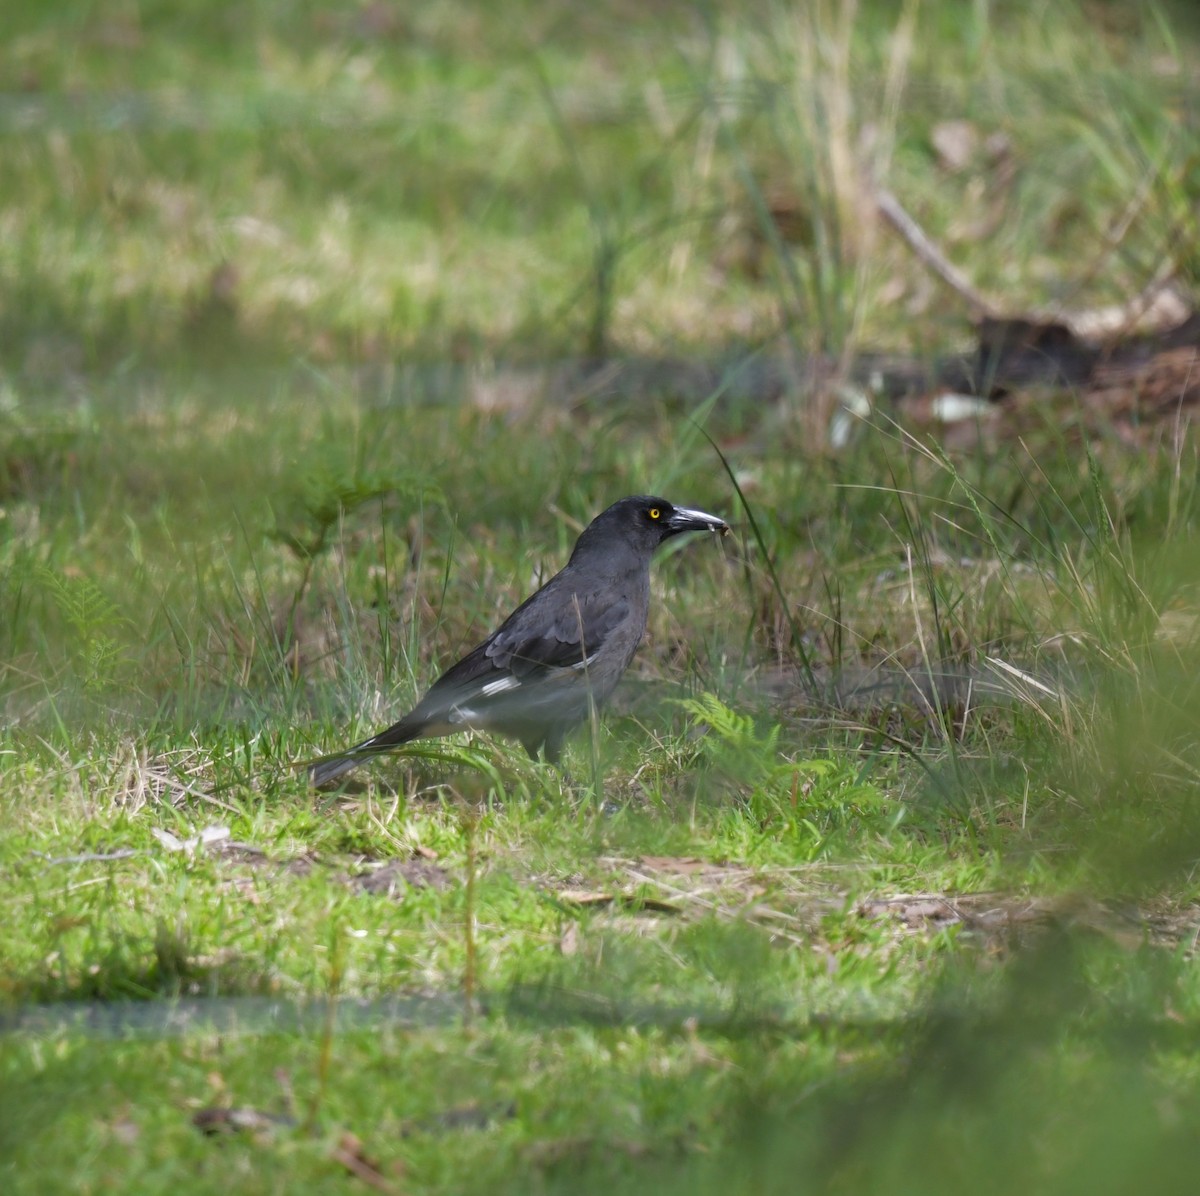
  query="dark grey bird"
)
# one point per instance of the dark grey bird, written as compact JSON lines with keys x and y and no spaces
{"x":559,"y":654}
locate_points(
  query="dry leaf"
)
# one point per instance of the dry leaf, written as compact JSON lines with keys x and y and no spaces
{"x":124,"y":1129}
{"x":681,"y":864}
{"x":349,"y":1152}
{"x":584,"y":897}
{"x":208,"y":836}
{"x":955,"y":142}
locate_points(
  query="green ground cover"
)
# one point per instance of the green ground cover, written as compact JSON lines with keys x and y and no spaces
{"x":275,"y":284}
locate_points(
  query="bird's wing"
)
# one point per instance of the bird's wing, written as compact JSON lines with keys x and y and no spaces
{"x":553,"y":632}
{"x":570,"y":638}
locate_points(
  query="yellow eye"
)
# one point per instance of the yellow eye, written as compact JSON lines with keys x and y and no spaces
{"x":654,"y":512}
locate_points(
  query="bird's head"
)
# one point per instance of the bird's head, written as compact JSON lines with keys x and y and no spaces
{"x":642,"y":523}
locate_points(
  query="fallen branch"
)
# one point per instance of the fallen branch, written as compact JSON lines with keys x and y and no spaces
{"x":918,"y":241}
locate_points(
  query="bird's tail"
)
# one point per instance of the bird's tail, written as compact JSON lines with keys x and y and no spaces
{"x":327,"y":769}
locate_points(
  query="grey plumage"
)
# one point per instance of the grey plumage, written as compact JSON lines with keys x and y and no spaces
{"x":561,"y":652}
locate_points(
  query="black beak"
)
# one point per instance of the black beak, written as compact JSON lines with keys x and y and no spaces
{"x":684,"y":520}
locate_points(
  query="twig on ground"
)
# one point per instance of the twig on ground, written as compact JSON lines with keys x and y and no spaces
{"x":918,"y":241}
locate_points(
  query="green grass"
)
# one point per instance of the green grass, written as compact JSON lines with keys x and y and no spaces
{"x":277,"y":284}
{"x":369,"y":182}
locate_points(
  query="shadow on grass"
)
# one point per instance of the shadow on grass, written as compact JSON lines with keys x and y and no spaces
{"x":1043,"y":1073}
